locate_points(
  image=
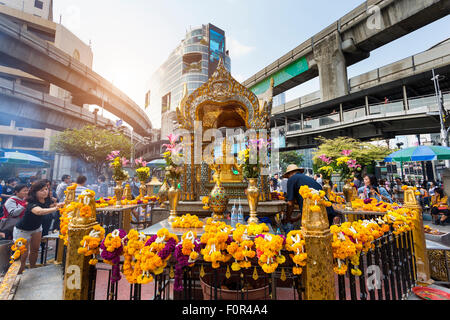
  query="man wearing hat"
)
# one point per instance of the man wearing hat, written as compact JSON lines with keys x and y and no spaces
{"x":296,"y":179}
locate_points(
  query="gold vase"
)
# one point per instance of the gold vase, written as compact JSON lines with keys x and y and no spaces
{"x":253,"y":198}
{"x":348,"y":194}
{"x":174,"y":195}
{"x":327,"y":187}
{"x":118,"y":192}
{"x":163,"y":194}
{"x":142,"y":190}
{"x":218,"y":199}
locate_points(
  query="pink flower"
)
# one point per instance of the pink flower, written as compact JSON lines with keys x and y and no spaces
{"x":113,"y":155}
{"x":325,"y":159}
{"x":346,"y":152}
{"x":125,"y":161}
{"x":172,"y":138}
{"x":351,"y":163}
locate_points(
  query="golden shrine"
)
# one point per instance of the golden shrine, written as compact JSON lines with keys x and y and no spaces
{"x":222,"y":103}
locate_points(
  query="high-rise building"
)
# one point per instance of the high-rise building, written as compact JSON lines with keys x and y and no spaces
{"x":39,"y":8}
{"x":191,"y":63}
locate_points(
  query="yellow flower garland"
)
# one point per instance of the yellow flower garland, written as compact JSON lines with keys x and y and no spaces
{"x":187,"y":221}
{"x":131,"y":265}
{"x":215,"y":237}
{"x":90,"y":243}
{"x":295,"y":242}
{"x":241,"y":247}
{"x":19,"y":247}
{"x":269,"y":251}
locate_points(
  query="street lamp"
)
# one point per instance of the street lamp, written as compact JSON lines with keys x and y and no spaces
{"x":444,"y":132}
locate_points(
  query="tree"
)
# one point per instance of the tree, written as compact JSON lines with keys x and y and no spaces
{"x":365,"y":153}
{"x":92,"y":145}
{"x":289,"y":157}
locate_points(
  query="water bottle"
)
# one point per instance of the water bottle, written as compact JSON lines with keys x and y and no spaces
{"x":240,"y":213}
{"x":234,"y":216}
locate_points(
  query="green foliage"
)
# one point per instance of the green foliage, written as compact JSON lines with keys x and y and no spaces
{"x":365,"y":153}
{"x":91,"y":144}
{"x":289,"y":157}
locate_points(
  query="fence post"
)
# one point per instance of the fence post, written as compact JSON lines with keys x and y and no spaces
{"x":126,"y":219}
{"x":76,"y":276}
{"x":319,"y":263}
{"x":422,"y":268}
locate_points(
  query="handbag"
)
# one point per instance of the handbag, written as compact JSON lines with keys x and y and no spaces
{"x":7,"y":223}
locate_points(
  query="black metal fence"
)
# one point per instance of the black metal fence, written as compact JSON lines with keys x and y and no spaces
{"x":388,"y":272}
{"x":201,"y":282}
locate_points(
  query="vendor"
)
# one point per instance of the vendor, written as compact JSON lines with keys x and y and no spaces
{"x":296,"y":179}
{"x":439,"y":211}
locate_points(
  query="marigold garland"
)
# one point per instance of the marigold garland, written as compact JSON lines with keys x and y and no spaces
{"x":111,"y":249}
{"x":186,"y":253}
{"x":187,"y":221}
{"x":19,"y":247}
{"x":241,"y":248}
{"x":216,"y":238}
{"x":131,"y":266}
{"x":295,"y":242}
{"x":268,"y":250}
{"x":90,"y":244}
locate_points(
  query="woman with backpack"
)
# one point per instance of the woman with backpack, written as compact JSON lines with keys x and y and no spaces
{"x":13,"y":210}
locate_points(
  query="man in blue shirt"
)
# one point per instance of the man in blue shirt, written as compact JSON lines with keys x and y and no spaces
{"x":295,"y":181}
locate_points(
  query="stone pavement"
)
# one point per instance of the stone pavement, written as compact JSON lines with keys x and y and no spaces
{"x":43,"y":283}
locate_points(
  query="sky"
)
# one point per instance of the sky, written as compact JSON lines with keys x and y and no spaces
{"x":131,"y":39}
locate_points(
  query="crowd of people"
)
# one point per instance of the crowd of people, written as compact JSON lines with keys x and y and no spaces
{"x":432,"y":196}
{"x":30,"y":209}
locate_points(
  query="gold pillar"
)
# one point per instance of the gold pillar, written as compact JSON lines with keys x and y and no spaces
{"x":70,"y":197}
{"x":320,"y":284}
{"x":422,"y":271}
{"x":126,"y":220}
{"x":76,"y":276}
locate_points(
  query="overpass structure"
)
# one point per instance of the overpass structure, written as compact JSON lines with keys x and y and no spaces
{"x":21,"y":102}
{"x":346,"y":42}
{"x":397,"y":99}
{"x":23,"y":50}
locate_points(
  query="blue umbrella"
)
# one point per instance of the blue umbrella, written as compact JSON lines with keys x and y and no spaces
{"x":158,"y":163}
{"x":420,"y":153}
{"x":23,"y":159}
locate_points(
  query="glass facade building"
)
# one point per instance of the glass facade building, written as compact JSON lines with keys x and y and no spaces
{"x":191,"y":63}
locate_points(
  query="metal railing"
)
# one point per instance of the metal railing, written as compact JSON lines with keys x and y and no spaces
{"x":201,"y":282}
{"x":388,"y":271}
{"x":359,"y":113}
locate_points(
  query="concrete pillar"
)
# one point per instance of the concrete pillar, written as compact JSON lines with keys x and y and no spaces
{"x":405,"y":99}
{"x":332,"y":67}
{"x":367,"y":105}
{"x":320,"y":284}
{"x":302,"y":122}
{"x":76,"y":276}
{"x":341,"y":113}
{"x":420,"y":249}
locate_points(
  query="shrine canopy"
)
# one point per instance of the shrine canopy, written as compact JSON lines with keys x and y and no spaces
{"x":223,"y":102}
